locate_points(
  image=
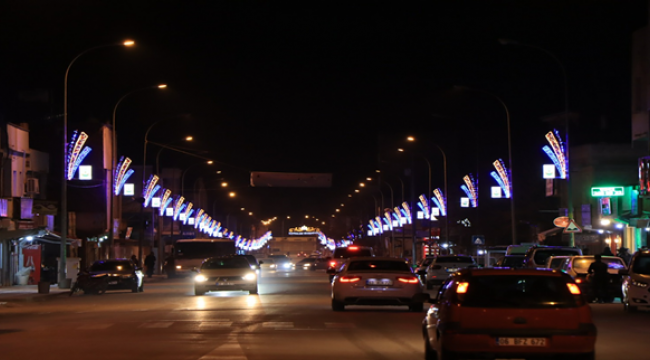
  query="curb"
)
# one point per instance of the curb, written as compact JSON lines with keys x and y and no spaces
{"x":27,"y":297}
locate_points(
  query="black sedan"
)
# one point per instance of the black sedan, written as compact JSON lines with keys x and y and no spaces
{"x":122,"y":274}
{"x":311,"y":264}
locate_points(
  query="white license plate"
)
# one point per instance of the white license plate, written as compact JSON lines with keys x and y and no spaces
{"x":451,"y":270}
{"x":224,"y":283}
{"x":112,"y":283}
{"x":508,"y":341}
{"x":382,"y":282}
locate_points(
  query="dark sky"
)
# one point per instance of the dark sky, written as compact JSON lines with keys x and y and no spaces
{"x":325,"y":87}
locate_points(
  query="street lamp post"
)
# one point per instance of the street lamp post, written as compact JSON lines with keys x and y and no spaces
{"x":566,"y":123}
{"x":512,"y":196}
{"x":111,"y":198}
{"x":64,"y":180}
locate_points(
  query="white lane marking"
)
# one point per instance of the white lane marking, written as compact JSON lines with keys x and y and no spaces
{"x":230,"y":350}
{"x":277,"y":324}
{"x":340,"y":325}
{"x":95,"y":326}
{"x":156,"y":325}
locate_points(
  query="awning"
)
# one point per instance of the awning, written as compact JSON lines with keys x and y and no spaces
{"x":18,"y":234}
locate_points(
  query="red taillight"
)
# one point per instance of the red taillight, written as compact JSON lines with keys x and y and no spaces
{"x":573,"y":288}
{"x":332,"y":263}
{"x":462,"y":288}
{"x":353,"y":247}
{"x":578,"y":281}
{"x":408,"y":280}
{"x":349,"y":279}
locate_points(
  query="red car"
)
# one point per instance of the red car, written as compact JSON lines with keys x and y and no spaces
{"x":509,"y":313}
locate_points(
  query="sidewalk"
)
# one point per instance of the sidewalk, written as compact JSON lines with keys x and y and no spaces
{"x":30,"y":292}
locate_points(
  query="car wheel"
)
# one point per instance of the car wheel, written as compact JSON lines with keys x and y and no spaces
{"x":416,"y":307}
{"x":253,"y":291}
{"x":429,"y":353}
{"x":337,"y":305}
{"x":198,"y":292}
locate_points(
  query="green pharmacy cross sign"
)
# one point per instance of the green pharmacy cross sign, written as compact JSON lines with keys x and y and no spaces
{"x":607,"y":191}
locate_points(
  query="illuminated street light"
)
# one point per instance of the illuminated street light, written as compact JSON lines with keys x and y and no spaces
{"x":369,"y":178}
{"x":232,"y":194}
{"x":362,"y":184}
{"x":400,"y":150}
{"x":210,"y":162}
{"x":356,"y":190}
{"x":342,"y":204}
{"x":410,"y":138}
{"x":189,"y":138}
{"x":250,"y":213}
{"x":242,"y":209}
{"x":224,"y":184}
{"x":306,"y":216}
{"x":288,"y":217}
{"x":337,"y":210}
{"x":128,"y":43}
{"x":323,"y":223}
{"x":349,"y":195}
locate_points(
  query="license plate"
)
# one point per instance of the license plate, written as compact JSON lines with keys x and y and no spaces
{"x":224,"y":283}
{"x":112,"y":283}
{"x":382,"y":282}
{"x":508,"y":341}
{"x":451,"y":270}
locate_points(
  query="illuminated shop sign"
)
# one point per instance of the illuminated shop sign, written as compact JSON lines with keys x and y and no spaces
{"x":608,"y":191}
{"x":304,"y":230}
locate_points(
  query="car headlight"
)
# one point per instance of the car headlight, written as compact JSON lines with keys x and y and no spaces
{"x":249,"y":277}
{"x":306,"y":265}
{"x":178,"y":266}
{"x":200,"y":278}
{"x":639,"y":284}
{"x":272,"y":266}
{"x":287,"y":265}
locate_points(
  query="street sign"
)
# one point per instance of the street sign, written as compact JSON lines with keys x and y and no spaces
{"x":607,"y":191}
{"x":478,"y":239}
{"x":572,"y":228}
{"x":561,"y":221}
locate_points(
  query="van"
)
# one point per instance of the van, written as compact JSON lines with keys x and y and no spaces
{"x":537,"y":255}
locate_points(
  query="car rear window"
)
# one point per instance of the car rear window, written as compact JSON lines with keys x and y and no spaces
{"x":513,"y":261}
{"x":111,"y":266}
{"x":379,"y":266}
{"x":541,"y":255}
{"x":641,"y":265}
{"x":455,"y":259}
{"x":581,"y":266}
{"x":517,"y":291}
{"x":226,"y":263}
{"x":351,"y":252}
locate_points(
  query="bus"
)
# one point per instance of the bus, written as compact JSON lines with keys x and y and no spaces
{"x":188,"y":254}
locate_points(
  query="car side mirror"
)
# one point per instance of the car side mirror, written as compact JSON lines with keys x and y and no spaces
{"x":624,"y":272}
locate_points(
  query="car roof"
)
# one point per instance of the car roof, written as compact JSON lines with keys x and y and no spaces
{"x":509,"y":271}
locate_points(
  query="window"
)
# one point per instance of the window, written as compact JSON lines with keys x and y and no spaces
{"x":226,"y":263}
{"x":379,"y":266}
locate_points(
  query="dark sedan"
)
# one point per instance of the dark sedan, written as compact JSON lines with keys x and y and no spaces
{"x":311,"y":264}
{"x":122,"y":274}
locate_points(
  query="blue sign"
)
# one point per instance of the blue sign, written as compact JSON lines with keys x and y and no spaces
{"x":478,"y":239}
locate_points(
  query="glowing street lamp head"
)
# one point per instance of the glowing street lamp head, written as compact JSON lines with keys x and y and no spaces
{"x":349,"y":195}
{"x":306,"y":216}
{"x":224,"y":184}
{"x":250,"y":213}
{"x":242,"y":209}
{"x":288,"y":217}
{"x":362,"y":184}
{"x":337,"y":210}
{"x":369,"y":178}
{"x":400,"y":150}
{"x":356,"y":190}
{"x":189,"y":138}
{"x":128,"y":43}
{"x":210,"y":162}
{"x":410,"y":138}
{"x":232,"y":194}
{"x":162,"y":86}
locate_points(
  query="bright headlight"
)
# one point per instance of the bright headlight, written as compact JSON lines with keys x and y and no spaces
{"x":272,"y":265}
{"x":249,"y":276}
{"x":178,"y":266}
{"x":200,"y":278}
{"x":287,"y":265}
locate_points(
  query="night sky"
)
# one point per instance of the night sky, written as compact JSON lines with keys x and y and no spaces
{"x":325,"y":87}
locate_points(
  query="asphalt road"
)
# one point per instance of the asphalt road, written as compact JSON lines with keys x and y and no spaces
{"x":289,"y":319}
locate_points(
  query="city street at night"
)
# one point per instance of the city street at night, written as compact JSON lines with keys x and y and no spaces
{"x":291,"y":318}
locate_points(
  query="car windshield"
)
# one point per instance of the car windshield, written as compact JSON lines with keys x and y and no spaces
{"x":541,"y":255}
{"x":455,"y":259}
{"x":641,"y":265}
{"x":517,"y":291}
{"x":513,"y":261}
{"x":581,"y":265}
{"x":111,"y":266}
{"x":351,"y":252}
{"x":307,"y":261}
{"x":379,"y":265}
{"x":226,"y":263}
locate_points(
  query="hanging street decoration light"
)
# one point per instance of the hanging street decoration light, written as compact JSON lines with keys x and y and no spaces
{"x":164,"y":202}
{"x":76,"y":153}
{"x":471,"y":189}
{"x":557,"y":153}
{"x":502,"y":177}
{"x":150,"y":189}
{"x":440,"y":201}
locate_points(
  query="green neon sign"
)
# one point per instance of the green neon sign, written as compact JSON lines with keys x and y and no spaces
{"x":607,"y":191}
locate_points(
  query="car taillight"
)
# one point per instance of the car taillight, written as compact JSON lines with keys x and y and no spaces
{"x":349,"y":279}
{"x":573,"y":288}
{"x":408,"y":280}
{"x":353,"y":247}
{"x":462,"y":288}
{"x":578,"y":281}
{"x":332,"y":263}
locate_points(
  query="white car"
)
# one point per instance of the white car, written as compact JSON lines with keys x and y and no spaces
{"x":636,"y":282}
{"x":377,"y":281}
{"x":230,"y":273}
{"x":443,"y":266}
